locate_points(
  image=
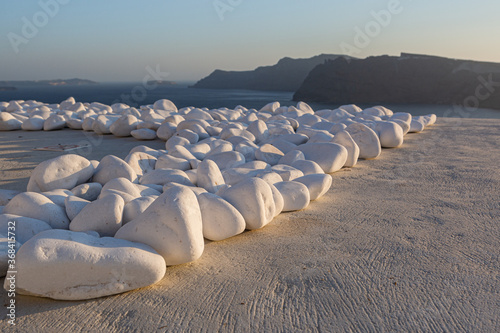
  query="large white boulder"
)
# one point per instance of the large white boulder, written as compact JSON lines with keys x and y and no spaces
{"x":54,"y":122}
{"x":164,"y":176}
{"x":68,"y":265}
{"x":331,"y":157}
{"x":38,"y":206}
{"x":124,"y":125}
{"x":269,"y":154}
{"x":141,"y":162}
{"x":165,"y":104}
{"x":144,"y":134}
{"x":136,"y":207}
{"x":317,"y":184}
{"x":172,"y":225}
{"x":87,"y":191}
{"x":9,"y":123}
{"x":62,"y":172}
{"x":220,"y":219}
{"x":295,"y":195}
{"x":209,"y":176}
{"x":344,"y":139}
{"x":33,"y":124}
{"x":112,"y":167}
{"x":171,"y":162}
{"x":103,"y":216}
{"x":74,"y":205}
{"x":253,"y":198}
{"x":366,"y":139}
{"x":228,"y":159}
{"x":391,"y":135}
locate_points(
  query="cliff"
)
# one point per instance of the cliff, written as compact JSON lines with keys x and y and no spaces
{"x":408,"y":79}
{"x":287,"y":75}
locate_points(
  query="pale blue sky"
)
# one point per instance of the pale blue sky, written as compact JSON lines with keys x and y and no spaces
{"x":115,"y":40}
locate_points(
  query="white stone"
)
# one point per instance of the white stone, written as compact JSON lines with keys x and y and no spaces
{"x":74,"y":206}
{"x":287,"y":172}
{"x":220,"y":219}
{"x":62,"y":172}
{"x":390,"y":134}
{"x":253,"y":198}
{"x":103,"y":216}
{"x":188,"y":134}
{"x":102,"y":124}
{"x":366,"y":139}
{"x":417,"y":125}
{"x":226,"y":160}
{"x":124,"y":185}
{"x":172,"y":225}
{"x":404,"y":125}
{"x":67,"y":265}
{"x":233,"y":176}
{"x":33,"y":124}
{"x":307,"y":167}
{"x":144,"y":134}
{"x":283,"y":145}
{"x":24,"y":227}
{"x":295,"y":195}
{"x":317,"y":184}
{"x":344,"y":139}
{"x":181,"y":152}
{"x":279,"y":202}
{"x":54,"y":122}
{"x":141,"y":162}
{"x":257,"y":165}
{"x":164,"y":176}
{"x":259,"y":129}
{"x":270,"y":177}
{"x":269,"y":154}
{"x":172,"y":162}
{"x":38,"y":206}
{"x":124,"y":125}
{"x":165,"y":104}
{"x":58,"y":196}
{"x":136,"y":207}
{"x":9,"y":123}
{"x":209,"y":176}
{"x":291,"y":157}
{"x":112,"y":167}
{"x":76,"y":124}
{"x":331,"y":157}
{"x":166,"y":131}
{"x":88,"y":191}
{"x":125,"y":196}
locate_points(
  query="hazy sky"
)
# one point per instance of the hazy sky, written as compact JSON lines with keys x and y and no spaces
{"x":117,"y":40}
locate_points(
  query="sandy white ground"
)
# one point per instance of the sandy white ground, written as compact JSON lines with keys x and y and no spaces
{"x":405,"y":242}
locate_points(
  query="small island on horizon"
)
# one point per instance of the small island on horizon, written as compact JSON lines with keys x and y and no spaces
{"x":56,"y":82}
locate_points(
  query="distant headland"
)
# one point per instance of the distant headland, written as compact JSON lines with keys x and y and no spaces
{"x":338,"y":79}
{"x":287,"y":75}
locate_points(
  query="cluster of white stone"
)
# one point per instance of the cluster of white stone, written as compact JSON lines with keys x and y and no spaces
{"x":89,"y":228}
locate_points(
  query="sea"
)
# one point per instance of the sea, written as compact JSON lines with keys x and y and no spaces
{"x":136,"y":94}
